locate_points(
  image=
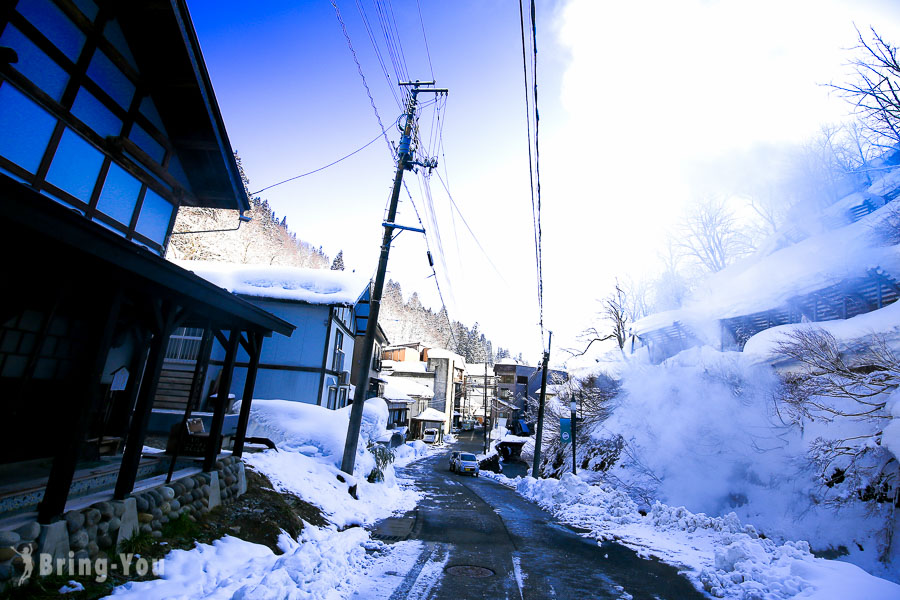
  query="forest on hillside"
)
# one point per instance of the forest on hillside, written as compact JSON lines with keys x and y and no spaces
{"x":410,"y":321}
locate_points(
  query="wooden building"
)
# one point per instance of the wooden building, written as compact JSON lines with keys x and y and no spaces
{"x":108,"y":123}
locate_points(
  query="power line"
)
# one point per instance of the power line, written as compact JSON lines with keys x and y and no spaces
{"x":433,"y":272}
{"x":331,"y":164}
{"x":533,"y":162}
{"x":466,"y":223}
{"x":362,"y":76}
{"x":425,"y":38}
{"x":378,"y":55}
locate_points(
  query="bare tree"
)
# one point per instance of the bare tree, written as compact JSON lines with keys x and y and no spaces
{"x":876,"y":89}
{"x":710,"y":234}
{"x":838,"y":388}
{"x":616,"y":314}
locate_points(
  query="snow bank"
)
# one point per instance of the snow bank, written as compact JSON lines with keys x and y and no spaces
{"x":316,"y":566}
{"x":702,"y":430}
{"x":324,"y":562}
{"x":312,"y":286}
{"x":316,"y":431}
{"x":725,"y":557}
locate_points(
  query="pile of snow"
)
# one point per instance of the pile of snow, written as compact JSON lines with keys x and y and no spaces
{"x":703,"y":430}
{"x":725,"y":557}
{"x":311,"y":286}
{"x":318,"y":565}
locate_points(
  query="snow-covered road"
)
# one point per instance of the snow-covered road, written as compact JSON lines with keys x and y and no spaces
{"x":473,"y":538}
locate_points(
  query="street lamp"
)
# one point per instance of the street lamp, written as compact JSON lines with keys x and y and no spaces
{"x":573,"y":407}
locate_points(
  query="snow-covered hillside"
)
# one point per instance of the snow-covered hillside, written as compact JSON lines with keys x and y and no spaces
{"x":715,"y":416}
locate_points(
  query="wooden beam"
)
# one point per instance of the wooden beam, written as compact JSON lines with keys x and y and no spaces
{"x":215,"y":429}
{"x":87,"y":395}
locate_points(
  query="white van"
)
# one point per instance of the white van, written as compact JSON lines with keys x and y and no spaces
{"x":431,"y":436}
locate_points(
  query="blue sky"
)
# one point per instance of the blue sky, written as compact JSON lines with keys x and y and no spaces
{"x":632,"y":96}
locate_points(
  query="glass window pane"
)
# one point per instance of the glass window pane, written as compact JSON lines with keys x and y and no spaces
{"x":95,"y":115}
{"x":119,"y":194}
{"x":110,"y":79}
{"x":153,"y":222}
{"x":148,"y":109}
{"x":75,"y":166}
{"x":114,"y":34}
{"x":34,"y":64}
{"x":26,"y":128}
{"x":147,"y":143}
{"x":54,"y":24}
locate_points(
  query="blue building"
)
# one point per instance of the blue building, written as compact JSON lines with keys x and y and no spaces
{"x":314,"y":364}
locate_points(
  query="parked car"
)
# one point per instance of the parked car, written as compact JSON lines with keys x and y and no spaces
{"x":454,"y":456}
{"x":467,"y":463}
{"x":430,"y":436}
{"x":468,"y":425}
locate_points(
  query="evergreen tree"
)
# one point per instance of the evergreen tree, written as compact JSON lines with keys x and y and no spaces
{"x":338,"y":264}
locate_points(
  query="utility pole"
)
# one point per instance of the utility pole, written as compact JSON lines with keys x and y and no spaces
{"x":405,"y":162}
{"x":535,"y":464}
{"x":574,"y":409}
{"x":485,"y":409}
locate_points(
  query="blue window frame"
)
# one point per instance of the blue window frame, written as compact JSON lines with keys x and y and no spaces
{"x":34,"y":64}
{"x":95,"y":115}
{"x":54,"y":24}
{"x":156,"y":213}
{"x":110,"y":79}
{"x":75,"y":166}
{"x":119,"y":194}
{"x":26,"y":128}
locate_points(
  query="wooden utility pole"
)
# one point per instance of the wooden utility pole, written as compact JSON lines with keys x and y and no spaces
{"x":405,"y":162}
{"x":536,"y":463}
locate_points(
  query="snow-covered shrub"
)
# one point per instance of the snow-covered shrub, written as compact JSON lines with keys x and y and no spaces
{"x":383,"y":456}
{"x":851,"y":390}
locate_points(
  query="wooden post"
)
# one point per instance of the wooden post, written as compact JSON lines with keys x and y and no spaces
{"x":80,"y":410}
{"x":166,"y":319}
{"x":193,"y":395}
{"x":254,"y":349}
{"x":215,"y":430}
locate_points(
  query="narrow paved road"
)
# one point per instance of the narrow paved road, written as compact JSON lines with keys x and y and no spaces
{"x":479,"y":539}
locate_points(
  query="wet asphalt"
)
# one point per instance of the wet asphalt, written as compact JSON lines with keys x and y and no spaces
{"x":492,"y":543}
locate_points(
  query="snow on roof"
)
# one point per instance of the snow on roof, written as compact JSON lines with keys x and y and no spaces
{"x":407,"y":366}
{"x":508,"y":360}
{"x":398,"y":388}
{"x":310,"y":286}
{"x":884,"y":321}
{"x":761,"y":283}
{"x":443,"y":353}
{"x":430,"y":414}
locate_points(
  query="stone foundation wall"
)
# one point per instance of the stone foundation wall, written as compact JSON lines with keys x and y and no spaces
{"x":98,"y":530}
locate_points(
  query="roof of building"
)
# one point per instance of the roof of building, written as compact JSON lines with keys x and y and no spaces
{"x":430,"y":414}
{"x":164,"y":43}
{"x":309,"y":286}
{"x":405,"y":388}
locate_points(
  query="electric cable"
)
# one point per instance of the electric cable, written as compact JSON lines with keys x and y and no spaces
{"x":362,"y":76}
{"x":331,"y":164}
